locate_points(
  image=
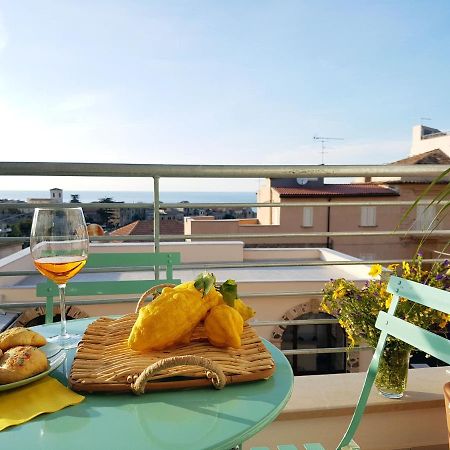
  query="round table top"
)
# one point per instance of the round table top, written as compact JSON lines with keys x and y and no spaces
{"x":179,"y":419}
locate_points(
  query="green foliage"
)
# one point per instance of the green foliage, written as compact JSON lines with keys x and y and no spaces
{"x":106,"y":215}
{"x":357,"y":308}
{"x":20,"y":229}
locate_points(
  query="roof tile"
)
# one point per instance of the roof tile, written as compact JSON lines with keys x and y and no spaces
{"x":337,"y":190}
{"x":141,"y":227}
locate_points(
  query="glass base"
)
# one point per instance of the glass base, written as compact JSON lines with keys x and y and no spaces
{"x":392,"y":395}
{"x":66,"y":341}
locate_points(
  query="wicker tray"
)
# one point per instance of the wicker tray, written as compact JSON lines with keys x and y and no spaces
{"x":104,"y":363}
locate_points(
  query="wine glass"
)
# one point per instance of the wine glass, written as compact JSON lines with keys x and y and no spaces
{"x":59,"y":246}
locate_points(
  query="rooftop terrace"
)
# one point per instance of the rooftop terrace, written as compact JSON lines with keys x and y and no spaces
{"x":275,"y":282}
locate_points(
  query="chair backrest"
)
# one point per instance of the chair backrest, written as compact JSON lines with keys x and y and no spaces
{"x":113,"y":262}
{"x":433,"y":344}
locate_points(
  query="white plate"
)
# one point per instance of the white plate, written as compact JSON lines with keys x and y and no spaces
{"x":55,"y":356}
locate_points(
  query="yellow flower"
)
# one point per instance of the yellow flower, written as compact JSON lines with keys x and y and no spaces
{"x":352,"y":339}
{"x":444,"y":321}
{"x":326,"y":308}
{"x":339,"y":292}
{"x":388,"y":301}
{"x":392,"y":267}
{"x":375,"y":270}
{"x":406,"y":269}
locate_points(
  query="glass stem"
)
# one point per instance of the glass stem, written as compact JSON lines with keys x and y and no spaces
{"x":62,"y":308}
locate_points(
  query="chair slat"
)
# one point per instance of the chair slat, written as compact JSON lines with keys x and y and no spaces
{"x":420,"y":293}
{"x":287,"y":447}
{"x":84,"y":288}
{"x":424,"y":340}
{"x":96,"y":260}
{"x":313,"y":446}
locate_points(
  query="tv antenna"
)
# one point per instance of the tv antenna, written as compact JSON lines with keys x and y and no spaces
{"x":422,"y":119}
{"x":323,"y":140}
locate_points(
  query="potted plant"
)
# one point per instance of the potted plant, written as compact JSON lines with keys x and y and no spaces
{"x":357,"y":309}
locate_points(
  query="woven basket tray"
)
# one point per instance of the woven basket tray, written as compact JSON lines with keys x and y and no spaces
{"x":104,"y":362}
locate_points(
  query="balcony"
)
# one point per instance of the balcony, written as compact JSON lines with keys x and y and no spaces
{"x":280,"y":270}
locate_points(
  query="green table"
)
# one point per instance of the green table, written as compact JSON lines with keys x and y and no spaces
{"x":188,"y":419}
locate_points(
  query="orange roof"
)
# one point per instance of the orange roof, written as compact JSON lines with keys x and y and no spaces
{"x":337,"y":190}
{"x":141,"y":227}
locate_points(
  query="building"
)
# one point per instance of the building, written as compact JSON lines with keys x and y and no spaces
{"x":425,"y":139}
{"x":128,"y":215}
{"x":56,"y":196}
{"x":311,"y":222}
{"x":317,"y":219}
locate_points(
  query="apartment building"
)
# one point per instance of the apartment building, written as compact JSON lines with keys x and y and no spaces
{"x":323,"y":215}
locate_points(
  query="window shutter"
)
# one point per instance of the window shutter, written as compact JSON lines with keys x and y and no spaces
{"x":307,"y":216}
{"x":424,"y":217}
{"x":368,"y":216}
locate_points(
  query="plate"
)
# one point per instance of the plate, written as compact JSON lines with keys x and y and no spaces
{"x":55,"y":356}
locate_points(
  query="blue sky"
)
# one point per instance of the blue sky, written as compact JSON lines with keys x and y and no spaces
{"x":218,"y":82}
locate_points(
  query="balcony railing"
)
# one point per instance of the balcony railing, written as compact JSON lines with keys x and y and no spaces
{"x":157,"y":172}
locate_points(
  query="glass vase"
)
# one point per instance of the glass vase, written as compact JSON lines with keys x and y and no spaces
{"x":392,"y":374}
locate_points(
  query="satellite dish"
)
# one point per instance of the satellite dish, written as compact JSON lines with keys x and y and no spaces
{"x":302,"y":181}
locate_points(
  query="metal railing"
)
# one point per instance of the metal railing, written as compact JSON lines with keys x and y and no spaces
{"x":156,"y":172}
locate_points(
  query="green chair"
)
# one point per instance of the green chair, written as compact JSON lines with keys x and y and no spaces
{"x":116,"y":261}
{"x":424,"y":340}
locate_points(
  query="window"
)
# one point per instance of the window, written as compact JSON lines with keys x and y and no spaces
{"x":307,"y":216}
{"x":424,"y":217}
{"x":368,"y":216}
{"x":314,"y":337}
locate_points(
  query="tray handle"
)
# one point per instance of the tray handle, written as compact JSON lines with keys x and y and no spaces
{"x":152,"y":291}
{"x":213,"y":371}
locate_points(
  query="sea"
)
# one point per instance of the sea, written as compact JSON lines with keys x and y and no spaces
{"x":138,"y":196}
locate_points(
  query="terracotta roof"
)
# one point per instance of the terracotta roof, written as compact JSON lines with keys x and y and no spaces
{"x":337,"y":190}
{"x":141,"y":227}
{"x":436,"y":156}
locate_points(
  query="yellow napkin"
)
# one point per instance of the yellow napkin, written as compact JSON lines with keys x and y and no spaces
{"x":43,"y":396}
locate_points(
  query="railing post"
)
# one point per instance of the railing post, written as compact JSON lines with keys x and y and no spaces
{"x":156,"y":220}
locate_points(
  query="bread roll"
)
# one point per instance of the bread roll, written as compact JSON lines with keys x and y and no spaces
{"x":20,"y":336}
{"x":21,"y":362}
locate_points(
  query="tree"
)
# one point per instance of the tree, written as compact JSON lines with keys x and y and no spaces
{"x":106,"y":215}
{"x":75,"y":198}
{"x":22,"y":228}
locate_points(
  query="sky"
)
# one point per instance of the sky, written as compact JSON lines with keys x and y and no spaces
{"x":217,"y":82}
